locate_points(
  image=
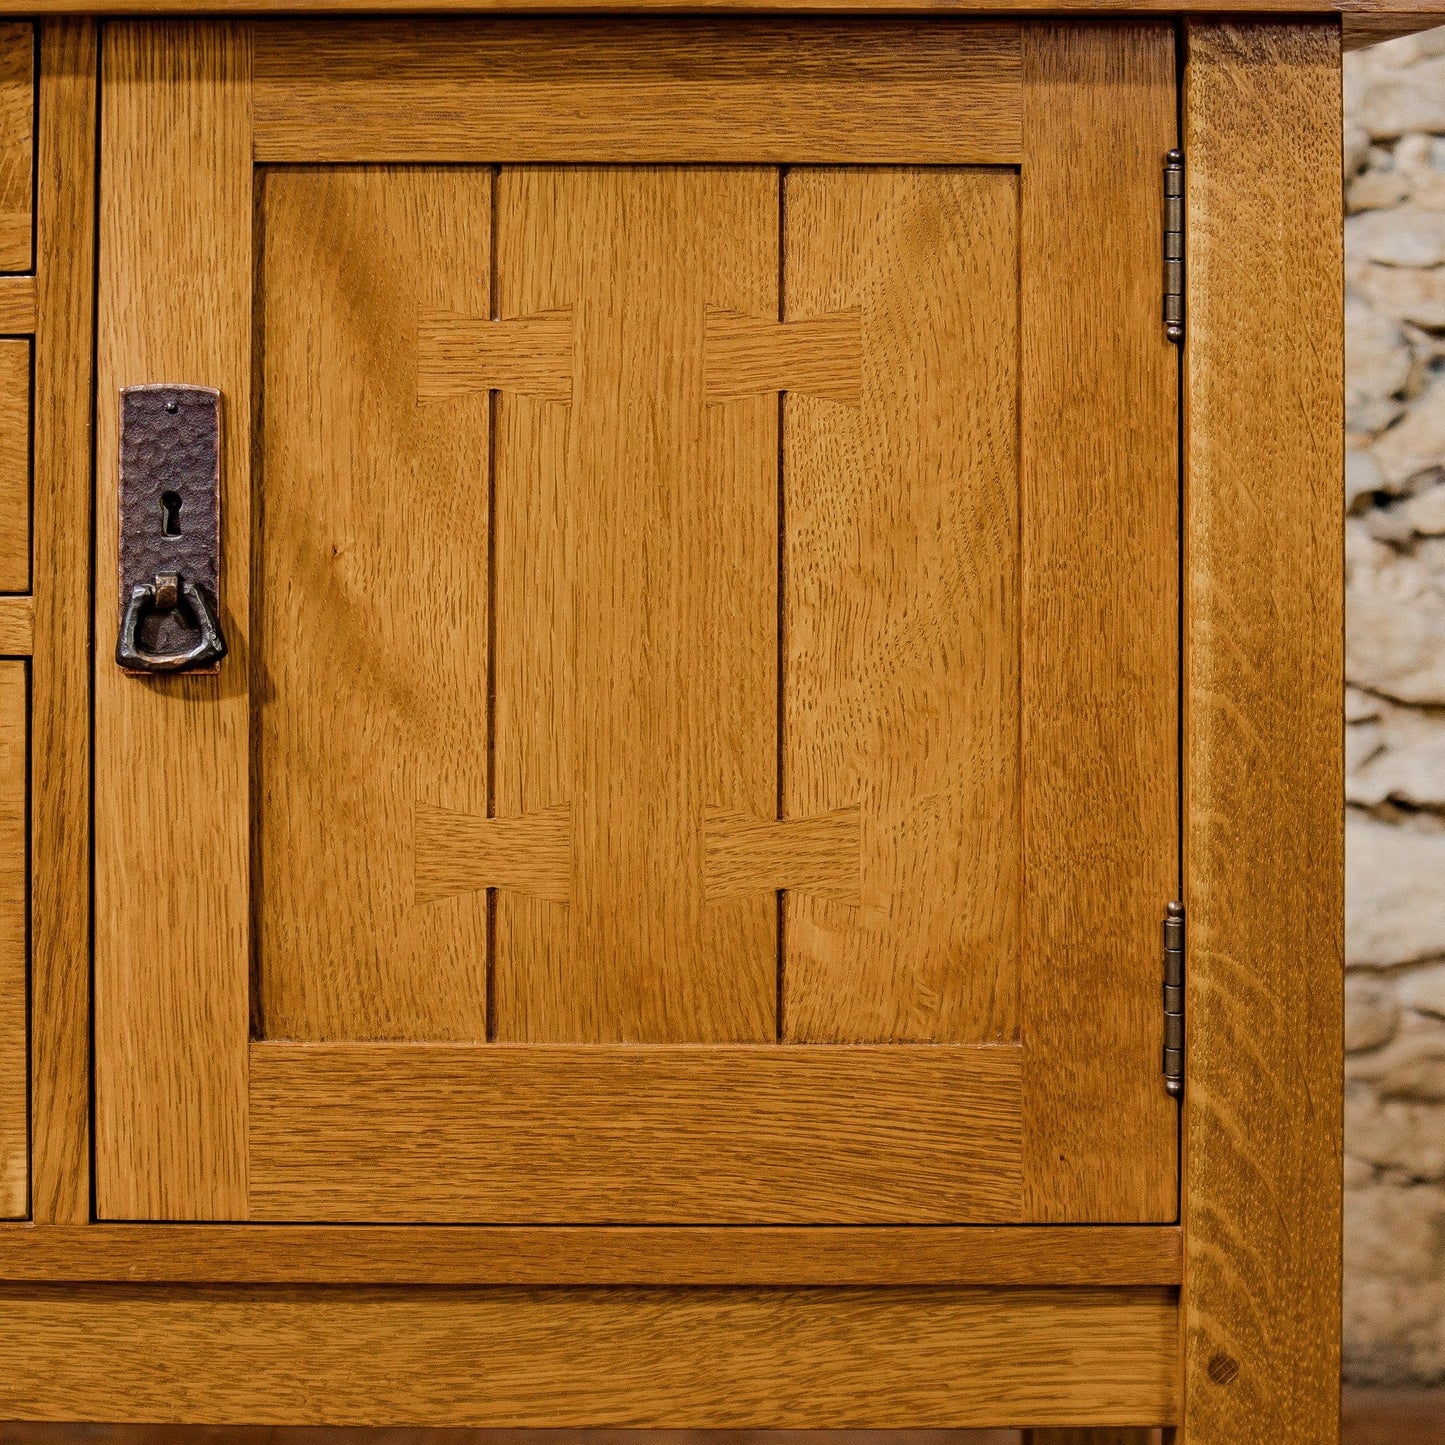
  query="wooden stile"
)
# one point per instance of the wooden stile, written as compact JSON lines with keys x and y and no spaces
{"x":60,"y":683}
{"x":1099,"y":759}
{"x":1264,"y":870}
{"x":173,"y":983}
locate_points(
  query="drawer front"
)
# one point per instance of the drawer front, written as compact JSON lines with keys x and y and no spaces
{"x":14,"y":464}
{"x":13,"y":1131}
{"x":17,"y":131}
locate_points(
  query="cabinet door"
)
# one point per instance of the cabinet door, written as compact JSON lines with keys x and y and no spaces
{"x":699,"y":542}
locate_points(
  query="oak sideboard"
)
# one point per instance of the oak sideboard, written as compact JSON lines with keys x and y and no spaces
{"x":670,"y":717}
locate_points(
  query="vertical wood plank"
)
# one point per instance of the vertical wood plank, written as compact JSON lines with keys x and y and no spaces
{"x":17,"y":139}
{"x":1100,"y":630}
{"x":901,"y":606}
{"x":636,"y":605}
{"x":14,"y":1127}
{"x":370,"y":623}
{"x":1263,"y":748}
{"x":60,"y":702}
{"x":172,"y":851}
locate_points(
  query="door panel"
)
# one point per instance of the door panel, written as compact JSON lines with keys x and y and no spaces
{"x":369,"y":624}
{"x":660,"y":573}
{"x":900,"y":612}
{"x":636,"y":570}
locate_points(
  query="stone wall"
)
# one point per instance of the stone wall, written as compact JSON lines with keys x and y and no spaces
{"x":1395,"y":712}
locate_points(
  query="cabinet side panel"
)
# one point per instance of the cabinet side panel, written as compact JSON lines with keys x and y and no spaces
{"x":14,"y":1131}
{"x":1100,"y":637}
{"x":60,"y":811}
{"x":171,"y":754}
{"x":1263,"y":734}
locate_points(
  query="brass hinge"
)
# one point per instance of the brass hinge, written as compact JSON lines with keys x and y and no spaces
{"x":1174,"y":1000}
{"x":1174,"y":246}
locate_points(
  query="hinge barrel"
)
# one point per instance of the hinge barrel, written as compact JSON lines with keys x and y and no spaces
{"x":1174,"y":246}
{"x":1174,"y":1000}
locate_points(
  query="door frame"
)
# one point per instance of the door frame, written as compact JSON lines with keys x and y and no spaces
{"x":194,"y":1121}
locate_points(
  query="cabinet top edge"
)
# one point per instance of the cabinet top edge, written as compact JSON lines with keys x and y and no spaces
{"x":1382,"y":15}
{"x":1365,"y":22}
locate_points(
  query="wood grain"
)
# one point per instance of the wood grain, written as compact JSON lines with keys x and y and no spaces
{"x":1263,"y":763}
{"x":14,"y":466}
{"x":440,"y":1254}
{"x":900,"y":614}
{"x":817,"y":356}
{"x":646,"y":1358}
{"x":462,"y":853}
{"x":694,"y":90}
{"x":636,"y":606}
{"x":818,"y":856}
{"x":571,"y":1135}
{"x":171,"y":755}
{"x":14,"y":901}
{"x":371,"y":620}
{"x":17,"y":626}
{"x":459,"y":355}
{"x":1100,"y":623}
{"x":1370,"y":28}
{"x":17,"y":305}
{"x":60,"y":675}
{"x":17,"y":144}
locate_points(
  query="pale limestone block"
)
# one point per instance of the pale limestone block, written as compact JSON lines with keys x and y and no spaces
{"x":1405,"y":236}
{"x":1423,"y":989}
{"x":1372,"y":1012}
{"x":1395,"y":892}
{"x":1395,"y":623}
{"x":1413,"y":774}
{"x":1402,"y":1136}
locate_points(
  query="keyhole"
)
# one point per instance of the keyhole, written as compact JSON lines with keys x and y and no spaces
{"x":170,"y":514}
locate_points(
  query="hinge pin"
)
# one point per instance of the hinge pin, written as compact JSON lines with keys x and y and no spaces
{"x":1174,"y":246}
{"x":1174,"y":1000}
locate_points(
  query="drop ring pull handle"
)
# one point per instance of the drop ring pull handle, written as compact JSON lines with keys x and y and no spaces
{"x":169,"y":538}
{"x":168,"y":592}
